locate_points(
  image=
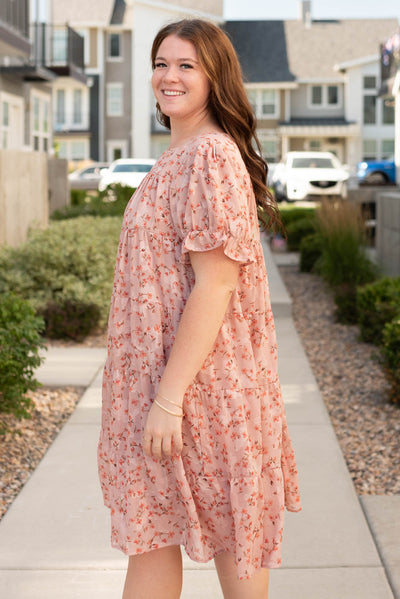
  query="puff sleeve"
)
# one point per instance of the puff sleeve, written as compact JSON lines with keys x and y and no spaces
{"x":214,"y":202}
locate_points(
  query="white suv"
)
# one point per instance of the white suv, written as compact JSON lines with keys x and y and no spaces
{"x":305,"y":174}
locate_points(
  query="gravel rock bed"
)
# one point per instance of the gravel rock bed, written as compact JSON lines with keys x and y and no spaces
{"x":353,"y":386}
{"x":26,"y":441}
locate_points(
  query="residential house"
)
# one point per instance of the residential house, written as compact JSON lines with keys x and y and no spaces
{"x":32,"y":57}
{"x":118,"y":36}
{"x":313,"y":84}
{"x":25,"y":87}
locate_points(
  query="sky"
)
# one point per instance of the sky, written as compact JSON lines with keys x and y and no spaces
{"x":320,"y":9}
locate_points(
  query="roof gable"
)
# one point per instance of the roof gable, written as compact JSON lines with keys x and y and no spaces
{"x":279,"y":51}
{"x":314,"y":51}
{"x":261,"y":48}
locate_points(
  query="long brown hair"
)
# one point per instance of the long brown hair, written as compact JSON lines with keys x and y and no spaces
{"x":228,"y":101}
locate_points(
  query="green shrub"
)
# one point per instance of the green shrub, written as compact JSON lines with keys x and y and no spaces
{"x":20,"y":342}
{"x":70,"y":261}
{"x":111,"y":202}
{"x":391,"y":356}
{"x":297,"y":230}
{"x":344,"y":264}
{"x":78,"y":197}
{"x":290,"y":214}
{"x":377,"y":304}
{"x":310,"y":251}
{"x":70,"y":319}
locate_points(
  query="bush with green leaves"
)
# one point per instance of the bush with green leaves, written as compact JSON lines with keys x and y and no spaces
{"x":391,"y":356}
{"x":377,"y":304}
{"x":20,"y":342}
{"x":111,"y":202}
{"x":344,"y":264}
{"x":310,"y":251}
{"x":298,"y":223}
{"x":71,"y":261}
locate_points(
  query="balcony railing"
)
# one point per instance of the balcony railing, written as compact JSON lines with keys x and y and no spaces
{"x":390,"y":57}
{"x":15,"y":14}
{"x":55,"y":48}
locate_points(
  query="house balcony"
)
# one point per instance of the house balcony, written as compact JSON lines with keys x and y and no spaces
{"x":59,"y":49}
{"x":14,"y":28}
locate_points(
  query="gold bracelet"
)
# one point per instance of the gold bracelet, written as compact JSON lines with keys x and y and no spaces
{"x":173,"y":403}
{"x":168,"y":411}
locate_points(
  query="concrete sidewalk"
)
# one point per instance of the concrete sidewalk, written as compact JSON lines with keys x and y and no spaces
{"x":54,"y":540}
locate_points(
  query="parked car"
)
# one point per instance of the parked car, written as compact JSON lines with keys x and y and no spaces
{"x":377,"y":172}
{"x":88,"y":177}
{"x":305,"y":174}
{"x":127,"y":171}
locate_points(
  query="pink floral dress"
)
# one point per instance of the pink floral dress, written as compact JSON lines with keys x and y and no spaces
{"x":228,"y":489}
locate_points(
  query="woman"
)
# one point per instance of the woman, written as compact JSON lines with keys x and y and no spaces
{"x":194,"y":448}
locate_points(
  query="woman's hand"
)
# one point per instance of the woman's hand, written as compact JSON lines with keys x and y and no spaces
{"x":162,"y":435}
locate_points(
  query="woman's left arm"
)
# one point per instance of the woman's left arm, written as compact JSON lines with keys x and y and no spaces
{"x":216,"y":278}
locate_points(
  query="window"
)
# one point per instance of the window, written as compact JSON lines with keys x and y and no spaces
{"x":268,"y":102}
{"x":40,"y":123}
{"x":388,"y":111}
{"x":316,"y":94}
{"x":60,"y":107}
{"x":114,"y":45}
{"x":369,"y":149}
{"x":263,"y":102}
{"x":314,"y":145}
{"x":77,"y":149}
{"x":324,"y":96}
{"x":60,"y":44}
{"x":369,"y":110}
{"x":114,"y":99}
{"x":387,"y":148}
{"x":77,"y":107}
{"x":269,"y":149}
{"x":369,"y":82}
{"x":333,"y":95}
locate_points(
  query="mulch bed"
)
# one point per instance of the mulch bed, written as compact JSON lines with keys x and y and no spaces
{"x":353,"y":386}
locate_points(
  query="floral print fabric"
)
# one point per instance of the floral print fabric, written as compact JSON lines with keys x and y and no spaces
{"x":228,"y":489}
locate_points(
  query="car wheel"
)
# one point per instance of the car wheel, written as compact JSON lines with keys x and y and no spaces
{"x":377,"y":178}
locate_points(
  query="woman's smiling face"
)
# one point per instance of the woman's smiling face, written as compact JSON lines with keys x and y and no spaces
{"x":179,"y":82}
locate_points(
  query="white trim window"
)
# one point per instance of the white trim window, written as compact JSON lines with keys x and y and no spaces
{"x":114,"y":46}
{"x":77,"y":103}
{"x":11,"y":121}
{"x":73,"y":149}
{"x":40,"y":122}
{"x":264,"y":102}
{"x":324,"y":96}
{"x":387,"y":148}
{"x":270,"y":148}
{"x":369,"y":101}
{"x":115,"y":99}
{"x":60,"y":109}
{"x":370,"y":149}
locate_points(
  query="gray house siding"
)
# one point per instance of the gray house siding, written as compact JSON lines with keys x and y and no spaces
{"x":119,"y":127}
{"x":300,"y":107}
